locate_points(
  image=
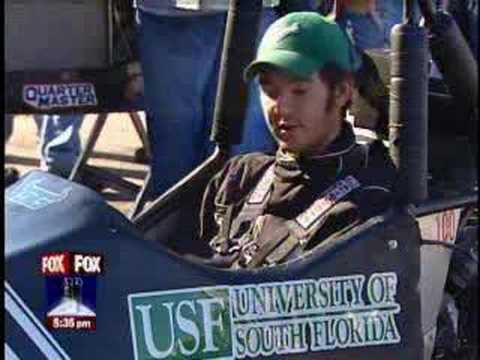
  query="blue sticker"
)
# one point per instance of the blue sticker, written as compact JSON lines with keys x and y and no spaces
{"x":33,"y":196}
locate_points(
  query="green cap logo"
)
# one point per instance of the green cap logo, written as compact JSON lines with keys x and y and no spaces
{"x":281,"y":34}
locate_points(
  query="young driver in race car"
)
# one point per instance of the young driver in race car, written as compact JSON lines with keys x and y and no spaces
{"x":264,"y":209}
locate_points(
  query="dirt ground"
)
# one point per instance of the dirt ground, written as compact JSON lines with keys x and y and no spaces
{"x":114,"y":151}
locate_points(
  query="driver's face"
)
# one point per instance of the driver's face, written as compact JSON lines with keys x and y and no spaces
{"x":297,"y":113}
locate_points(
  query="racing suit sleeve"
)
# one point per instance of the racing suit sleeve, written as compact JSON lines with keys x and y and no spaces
{"x":208,"y":226}
{"x":229,"y":187}
{"x":219,"y":191}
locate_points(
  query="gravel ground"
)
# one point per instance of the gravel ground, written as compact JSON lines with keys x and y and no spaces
{"x":114,"y":150}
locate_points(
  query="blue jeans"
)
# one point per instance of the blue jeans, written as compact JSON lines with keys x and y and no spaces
{"x":465,"y":14}
{"x":180,"y":58}
{"x":391,"y":13}
{"x":367,"y":32}
{"x":59,"y":142}
{"x":8,"y":126}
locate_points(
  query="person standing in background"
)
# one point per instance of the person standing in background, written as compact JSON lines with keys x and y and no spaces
{"x":390,"y":12}
{"x":59,"y":140}
{"x":10,"y":174}
{"x":180,"y":45}
{"x":361,"y":22}
{"x":60,"y":143}
{"x":465,"y":13}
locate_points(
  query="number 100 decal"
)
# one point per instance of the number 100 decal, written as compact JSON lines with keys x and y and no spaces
{"x":441,"y":226}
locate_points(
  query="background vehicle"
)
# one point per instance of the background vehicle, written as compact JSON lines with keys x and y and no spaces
{"x":72,"y":42}
{"x":76,"y":56}
{"x":409,"y":248}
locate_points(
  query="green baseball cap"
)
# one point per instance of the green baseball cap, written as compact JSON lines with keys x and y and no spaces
{"x":302,"y":43}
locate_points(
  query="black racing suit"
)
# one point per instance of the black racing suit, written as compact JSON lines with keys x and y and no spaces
{"x":296,"y":184}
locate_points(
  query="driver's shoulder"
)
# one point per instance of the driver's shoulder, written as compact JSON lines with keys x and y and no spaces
{"x":377,"y":173}
{"x":376,"y":180}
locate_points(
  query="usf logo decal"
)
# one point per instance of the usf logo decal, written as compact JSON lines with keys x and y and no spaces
{"x":180,"y":324}
{"x":267,"y":319}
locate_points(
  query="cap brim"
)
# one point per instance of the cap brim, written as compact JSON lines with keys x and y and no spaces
{"x":289,"y":61}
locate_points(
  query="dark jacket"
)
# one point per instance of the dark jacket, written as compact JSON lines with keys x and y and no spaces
{"x":296,"y":185}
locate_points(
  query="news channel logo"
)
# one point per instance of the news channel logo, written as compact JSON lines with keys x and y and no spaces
{"x":71,"y":287}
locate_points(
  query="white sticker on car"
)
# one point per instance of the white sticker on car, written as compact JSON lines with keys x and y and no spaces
{"x":441,"y":226}
{"x":280,"y":318}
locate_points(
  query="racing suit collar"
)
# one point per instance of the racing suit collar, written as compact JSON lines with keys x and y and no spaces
{"x":289,"y":166}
